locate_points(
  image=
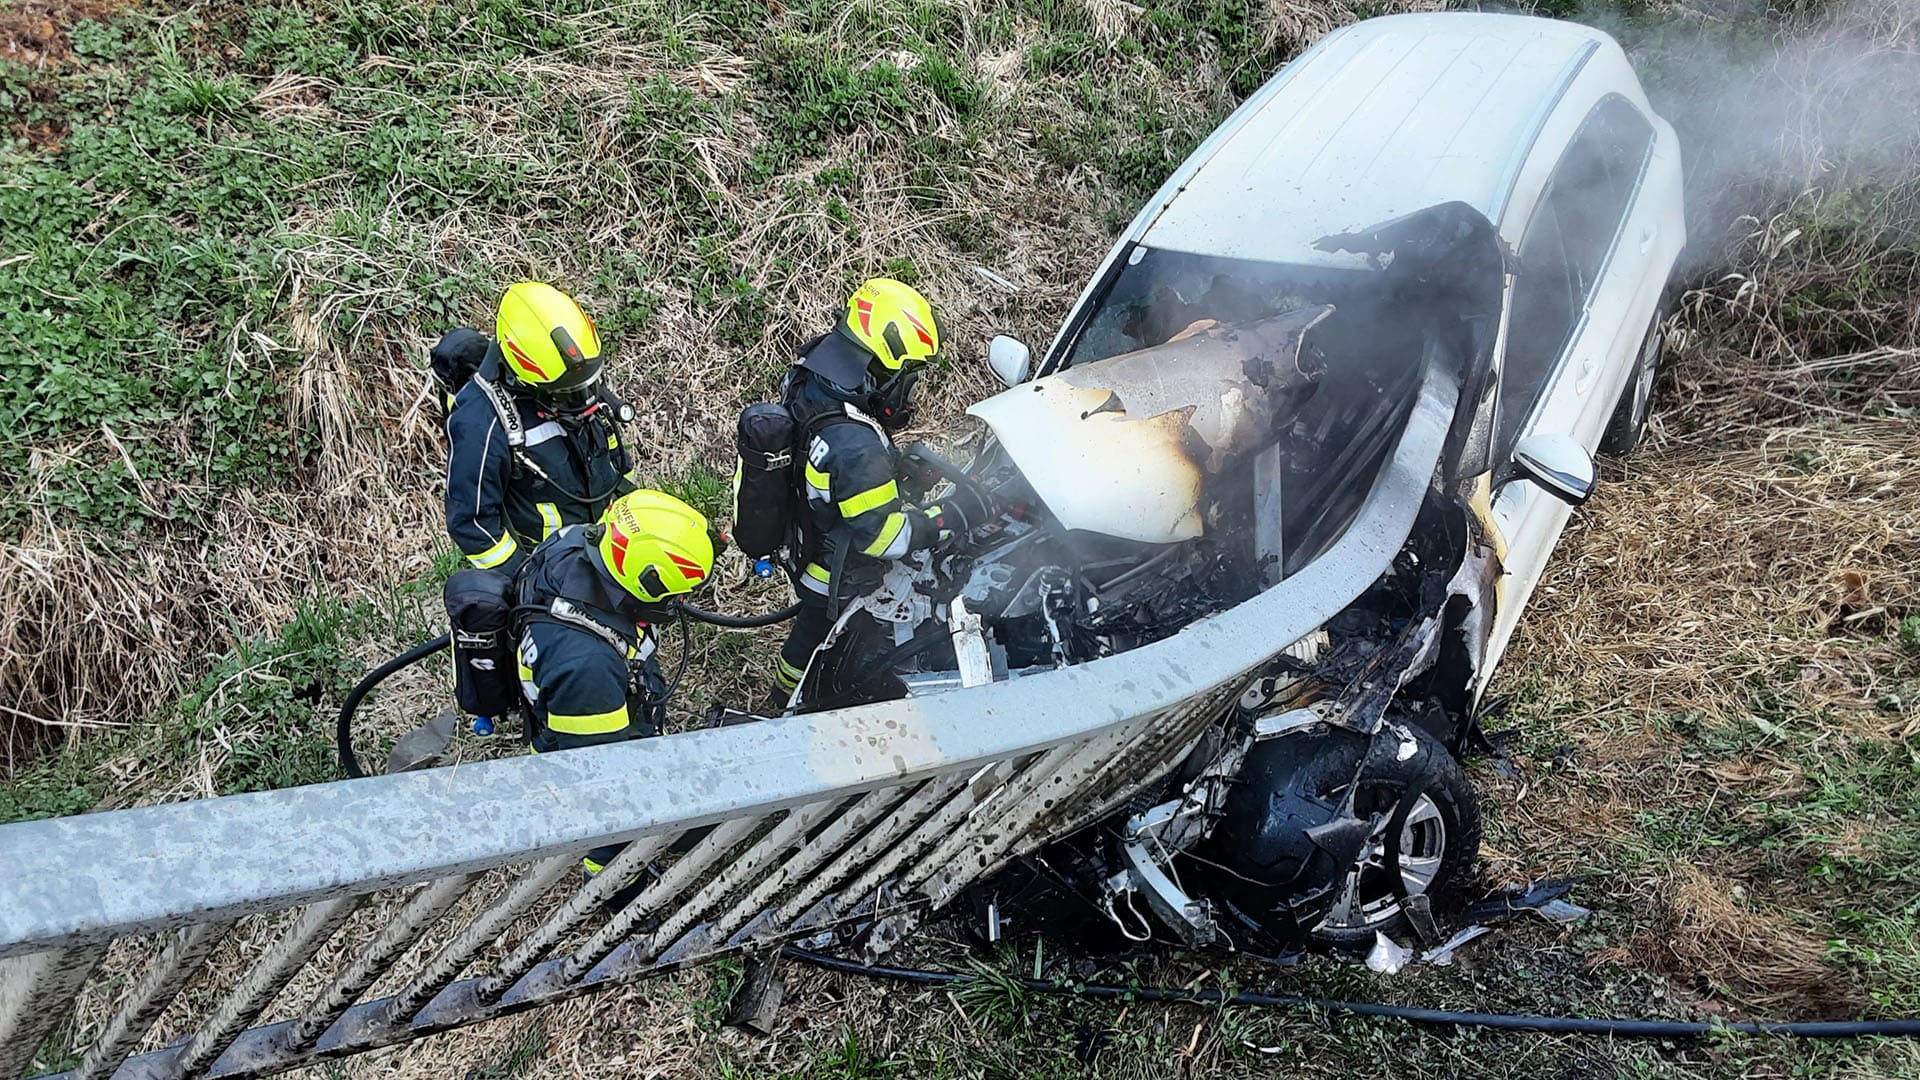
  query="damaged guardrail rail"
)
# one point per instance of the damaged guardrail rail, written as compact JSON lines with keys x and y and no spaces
{"x":245,"y":935}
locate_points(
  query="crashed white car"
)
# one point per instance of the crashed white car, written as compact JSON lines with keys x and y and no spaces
{"x":1462,"y":220}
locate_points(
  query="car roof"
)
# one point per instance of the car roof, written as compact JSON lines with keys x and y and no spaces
{"x":1380,"y":119}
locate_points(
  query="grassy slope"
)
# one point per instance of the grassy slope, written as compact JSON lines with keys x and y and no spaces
{"x":240,"y":225}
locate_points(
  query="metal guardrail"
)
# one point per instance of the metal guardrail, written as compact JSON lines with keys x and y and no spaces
{"x":364,"y":913}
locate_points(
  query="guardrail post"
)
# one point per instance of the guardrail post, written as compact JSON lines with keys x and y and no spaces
{"x":34,"y":993}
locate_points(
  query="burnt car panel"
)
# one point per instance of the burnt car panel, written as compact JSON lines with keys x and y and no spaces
{"x":1124,"y":446}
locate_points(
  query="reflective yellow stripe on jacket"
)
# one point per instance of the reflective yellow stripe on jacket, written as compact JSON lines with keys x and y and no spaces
{"x":882,"y":545}
{"x":871,"y":499}
{"x":596,"y":724}
{"x":496,"y":554}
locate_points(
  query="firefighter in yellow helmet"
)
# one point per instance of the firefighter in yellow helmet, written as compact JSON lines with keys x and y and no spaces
{"x":590,"y":598}
{"x":534,"y":433}
{"x":589,"y":601}
{"x":848,"y":391}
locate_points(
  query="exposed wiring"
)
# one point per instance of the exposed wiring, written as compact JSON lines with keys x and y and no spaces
{"x":1112,"y":913}
{"x":1559,"y":1025}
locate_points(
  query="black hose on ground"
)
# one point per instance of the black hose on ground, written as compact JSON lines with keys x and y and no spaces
{"x":343,"y":732}
{"x":739,"y":622}
{"x":1553,"y":1025}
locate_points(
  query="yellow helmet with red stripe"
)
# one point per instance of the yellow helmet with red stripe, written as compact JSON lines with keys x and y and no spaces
{"x":892,"y":321}
{"x":655,"y":546}
{"x":547,"y":343}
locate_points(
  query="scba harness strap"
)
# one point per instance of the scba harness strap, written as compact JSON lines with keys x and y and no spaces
{"x":565,"y":611}
{"x":508,"y":413}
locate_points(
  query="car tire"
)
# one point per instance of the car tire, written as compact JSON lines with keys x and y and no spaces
{"x":1630,"y":414}
{"x":1435,"y":818}
{"x":1286,"y":884}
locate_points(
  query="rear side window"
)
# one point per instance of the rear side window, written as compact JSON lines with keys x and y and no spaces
{"x":1564,"y":250}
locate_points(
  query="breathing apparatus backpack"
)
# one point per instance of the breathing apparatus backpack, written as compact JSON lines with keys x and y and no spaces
{"x":765,"y":510}
{"x":486,"y":677}
{"x":487,"y":611}
{"x":455,"y":359}
{"x":769,"y":512}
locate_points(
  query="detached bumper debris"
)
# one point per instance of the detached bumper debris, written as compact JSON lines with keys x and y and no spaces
{"x":1387,"y":955}
{"x":1546,"y":899}
{"x":1442,"y":954}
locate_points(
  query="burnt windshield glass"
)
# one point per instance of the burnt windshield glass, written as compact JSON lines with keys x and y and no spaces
{"x":1363,"y":360}
{"x":1159,"y":293}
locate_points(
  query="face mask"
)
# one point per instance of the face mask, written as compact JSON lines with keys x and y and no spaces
{"x":891,"y":401}
{"x":576,"y":404}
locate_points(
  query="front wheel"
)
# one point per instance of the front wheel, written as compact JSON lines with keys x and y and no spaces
{"x":1277,"y":842}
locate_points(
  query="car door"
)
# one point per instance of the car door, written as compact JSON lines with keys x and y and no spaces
{"x":1573,"y":330}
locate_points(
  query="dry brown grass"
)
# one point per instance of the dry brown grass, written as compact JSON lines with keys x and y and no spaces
{"x":1709,"y":565}
{"x":1710,"y":929}
{"x":1768,"y":528}
{"x":1757,"y":572}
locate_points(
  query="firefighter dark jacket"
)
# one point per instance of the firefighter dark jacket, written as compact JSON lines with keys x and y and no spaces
{"x":501,"y":501}
{"x":574,"y":654}
{"x":851,"y":490}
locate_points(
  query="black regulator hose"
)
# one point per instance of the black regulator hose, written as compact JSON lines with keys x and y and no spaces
{"x":1556,"y":1025}
{"x":343,"y":733}
{"x":739,"y":622}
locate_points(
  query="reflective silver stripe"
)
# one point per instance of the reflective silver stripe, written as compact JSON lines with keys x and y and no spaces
{"x":544,"y":433}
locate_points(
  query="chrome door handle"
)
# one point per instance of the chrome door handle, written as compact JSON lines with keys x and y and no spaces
{"x":1588,"y":369}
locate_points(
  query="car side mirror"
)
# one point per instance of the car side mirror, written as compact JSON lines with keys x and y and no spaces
{"x":1558,"y":464}
{"x":1010,"y":359}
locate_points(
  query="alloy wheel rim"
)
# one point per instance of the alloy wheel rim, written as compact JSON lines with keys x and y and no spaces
{"x":1367,"y":896}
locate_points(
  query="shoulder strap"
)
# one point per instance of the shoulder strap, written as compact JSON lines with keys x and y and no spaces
{"x":509,"y":416}
{"x":846,"y":414}
{"x":567,"y":612}
{"x":854,"y":413}
{"x":504,"y":408}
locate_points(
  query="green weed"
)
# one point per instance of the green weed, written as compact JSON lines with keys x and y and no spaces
{"x":1884,"y":946}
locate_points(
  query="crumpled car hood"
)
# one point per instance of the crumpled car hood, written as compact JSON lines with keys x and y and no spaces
{"x":1124,"y":446}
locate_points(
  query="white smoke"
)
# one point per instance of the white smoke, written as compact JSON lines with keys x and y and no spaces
{"x":1773,"y":107}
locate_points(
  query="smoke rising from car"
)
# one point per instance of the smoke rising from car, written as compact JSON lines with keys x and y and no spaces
{"x":1769,"y":106}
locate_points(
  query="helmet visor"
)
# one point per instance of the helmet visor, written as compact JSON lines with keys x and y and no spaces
{"x":571,"y":400}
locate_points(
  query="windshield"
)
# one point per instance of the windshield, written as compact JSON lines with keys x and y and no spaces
{"x":1159,"y":293}
{"x":1362,"y":363}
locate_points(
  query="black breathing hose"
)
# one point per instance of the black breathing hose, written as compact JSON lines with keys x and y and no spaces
{"x":343,"y":731}
{"x":1555,"y":1025}
{"x":739,"y":622}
